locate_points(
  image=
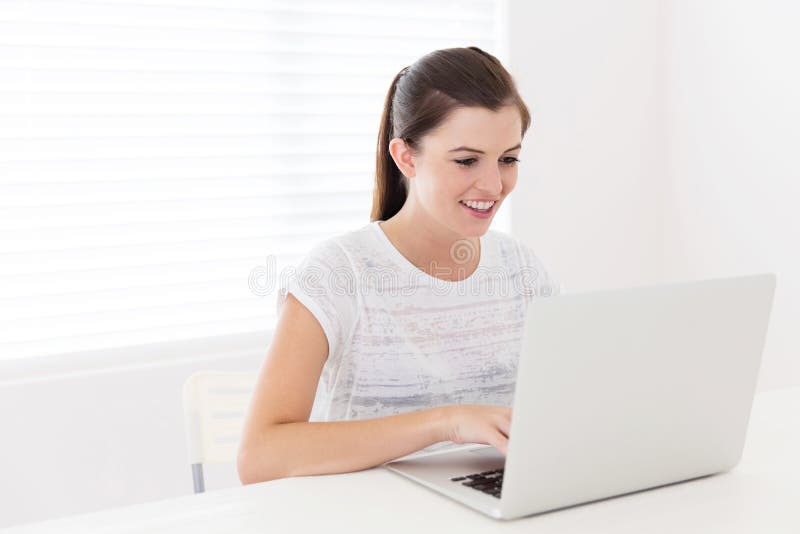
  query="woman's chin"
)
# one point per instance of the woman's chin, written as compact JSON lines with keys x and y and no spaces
{"x":475,"y":229}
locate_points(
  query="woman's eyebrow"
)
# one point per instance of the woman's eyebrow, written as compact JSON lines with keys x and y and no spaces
{"x":481,"y":151}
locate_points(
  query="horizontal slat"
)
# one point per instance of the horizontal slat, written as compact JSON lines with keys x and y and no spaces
{"x":304,"y":6}
{"x":107,"y":169}
{"x":154,"y":147}
{"x":174,"y":125}
{"x":86,"y":324}
{"x":265,"y":40}
{"x":95,"y":192}
{"x":144,"y":276}
{"x":178,"y":102}
{"x":206,"y":210}
{"x":230,"y":406}
{"x":44,"y":344}
{"x":94,"y":81}
{"x":52,"y":239}
{"x":151,"y":80}
{"x":351,"y":7}
{"x":360,"y":19}
{"x":76,"y":58}
{"x":73,"y":259}
{"x":225,"y":430}
{"x":236,"y":290}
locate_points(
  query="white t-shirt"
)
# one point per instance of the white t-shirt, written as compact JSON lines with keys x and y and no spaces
{"x":401,"y":340}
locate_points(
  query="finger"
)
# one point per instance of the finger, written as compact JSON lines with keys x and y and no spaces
{"x":504,"y":427}
{"x":501,"y":443}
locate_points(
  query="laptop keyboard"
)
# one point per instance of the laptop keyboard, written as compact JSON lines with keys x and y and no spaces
{"x":489,"y":482}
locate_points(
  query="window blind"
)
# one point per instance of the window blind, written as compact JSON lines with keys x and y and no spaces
{"x":155,"y":154}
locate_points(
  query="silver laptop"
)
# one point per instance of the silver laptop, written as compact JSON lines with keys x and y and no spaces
{"x":617,"y":391}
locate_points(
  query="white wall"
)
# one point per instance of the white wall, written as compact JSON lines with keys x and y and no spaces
{"x":78,"y":440}
{"x":589,"y":197}
{"x":733,"y":112}
{"x":663,"y":147}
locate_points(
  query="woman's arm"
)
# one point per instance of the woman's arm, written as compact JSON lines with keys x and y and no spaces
{"x":278,"y":441}
{"x":303,"y":448}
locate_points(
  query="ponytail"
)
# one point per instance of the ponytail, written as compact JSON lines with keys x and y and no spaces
{"x":391,"y":189}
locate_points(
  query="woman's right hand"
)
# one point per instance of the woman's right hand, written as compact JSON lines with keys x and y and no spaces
{"x":477,"y":423}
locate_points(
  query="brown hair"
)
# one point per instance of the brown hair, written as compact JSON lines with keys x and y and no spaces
{"x":421,"y":97}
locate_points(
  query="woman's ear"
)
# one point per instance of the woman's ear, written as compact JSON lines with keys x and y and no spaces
{"x":403,"y":157}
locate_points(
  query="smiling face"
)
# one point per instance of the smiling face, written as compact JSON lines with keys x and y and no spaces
{"x":464,"y":170}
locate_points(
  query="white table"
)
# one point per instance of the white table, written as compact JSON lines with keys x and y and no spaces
{"x":760,"y":495}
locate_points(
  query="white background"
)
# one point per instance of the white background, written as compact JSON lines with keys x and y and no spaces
{"x":662,"y":148}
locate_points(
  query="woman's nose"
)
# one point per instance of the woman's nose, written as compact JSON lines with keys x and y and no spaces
{"x":491,"y":181}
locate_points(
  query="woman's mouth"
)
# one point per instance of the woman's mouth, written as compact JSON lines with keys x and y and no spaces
{"x":479,"y":208}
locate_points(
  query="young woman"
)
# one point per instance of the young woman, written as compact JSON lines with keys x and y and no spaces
{"x":405,"y":334}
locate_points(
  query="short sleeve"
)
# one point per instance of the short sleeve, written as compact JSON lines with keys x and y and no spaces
{"x":537,"y":280}
{"x":324,"y":283}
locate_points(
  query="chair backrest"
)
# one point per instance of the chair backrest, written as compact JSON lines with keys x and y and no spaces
{"x":214,"y":405}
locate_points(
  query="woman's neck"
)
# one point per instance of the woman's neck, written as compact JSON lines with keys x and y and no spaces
{"x":430,"y":246}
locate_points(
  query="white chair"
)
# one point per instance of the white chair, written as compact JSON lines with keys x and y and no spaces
{"x":214,"y":405}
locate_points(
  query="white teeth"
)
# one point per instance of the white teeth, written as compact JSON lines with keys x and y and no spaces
{"x":479,"y":205}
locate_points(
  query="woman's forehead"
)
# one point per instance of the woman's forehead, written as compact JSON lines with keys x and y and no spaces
{"x":479,"y":128}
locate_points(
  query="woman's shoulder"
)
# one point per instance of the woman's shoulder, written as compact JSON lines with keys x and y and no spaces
{"x":343,"y":249}
{"x":511,"y":250}
{"x":516,"y":256}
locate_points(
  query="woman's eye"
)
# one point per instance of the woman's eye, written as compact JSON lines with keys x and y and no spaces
{"x":468,"y":162}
